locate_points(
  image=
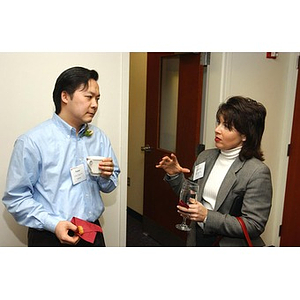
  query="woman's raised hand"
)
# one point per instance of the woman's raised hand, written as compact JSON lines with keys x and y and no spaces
{"x":171,"y":165}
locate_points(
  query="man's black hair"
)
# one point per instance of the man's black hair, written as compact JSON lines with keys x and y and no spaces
{"x":69,"y":81}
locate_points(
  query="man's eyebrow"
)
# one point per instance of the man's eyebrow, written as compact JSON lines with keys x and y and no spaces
{"x":92,"y":93}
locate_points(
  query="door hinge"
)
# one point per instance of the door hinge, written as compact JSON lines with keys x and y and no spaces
{"x":205,"y":59}
{"x":289,"y":150}
{"x":280,"y":227}
{"x":298,"y":65}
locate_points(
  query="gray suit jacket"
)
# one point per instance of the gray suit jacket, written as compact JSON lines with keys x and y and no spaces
{"x":247,"y":182}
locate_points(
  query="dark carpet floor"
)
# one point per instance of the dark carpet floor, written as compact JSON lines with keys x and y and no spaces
{"x":135,"y":235}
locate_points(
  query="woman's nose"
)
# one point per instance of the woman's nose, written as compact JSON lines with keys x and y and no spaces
{"x":218,"y":128}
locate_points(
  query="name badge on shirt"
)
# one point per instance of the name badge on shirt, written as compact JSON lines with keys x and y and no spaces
{"x":199,"y":171}
{"x":78,"y":174}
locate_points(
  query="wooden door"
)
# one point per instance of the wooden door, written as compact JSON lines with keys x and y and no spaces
{"x":160,"y":213}
{"x":290,"y":228}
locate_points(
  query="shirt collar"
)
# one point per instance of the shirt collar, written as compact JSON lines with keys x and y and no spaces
{"x":65,"y":127}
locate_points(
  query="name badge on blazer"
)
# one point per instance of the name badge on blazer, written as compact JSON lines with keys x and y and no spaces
{"x":199,"y":171}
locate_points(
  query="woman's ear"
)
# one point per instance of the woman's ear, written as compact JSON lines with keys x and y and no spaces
{"x":244,"y":138}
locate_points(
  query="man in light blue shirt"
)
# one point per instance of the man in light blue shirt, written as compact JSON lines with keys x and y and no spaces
{"x":48,"y":180}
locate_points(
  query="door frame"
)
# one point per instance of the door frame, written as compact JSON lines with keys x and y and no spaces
{"x":287,"y":223}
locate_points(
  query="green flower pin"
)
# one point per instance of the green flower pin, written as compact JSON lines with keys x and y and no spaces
{"x":88,"y":132}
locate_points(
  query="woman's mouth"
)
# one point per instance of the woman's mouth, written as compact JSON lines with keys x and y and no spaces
{"x":217,"y":139}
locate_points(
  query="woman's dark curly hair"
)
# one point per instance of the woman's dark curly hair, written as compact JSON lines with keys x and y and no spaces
{"x":247,"y":116}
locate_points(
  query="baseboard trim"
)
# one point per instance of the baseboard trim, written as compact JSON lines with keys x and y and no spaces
{"x":135,"y":214}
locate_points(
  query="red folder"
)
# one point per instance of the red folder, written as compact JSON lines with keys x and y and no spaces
{"x":89,"y":229}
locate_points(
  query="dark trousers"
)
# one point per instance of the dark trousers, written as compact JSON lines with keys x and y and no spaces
{"x":43,"y":238}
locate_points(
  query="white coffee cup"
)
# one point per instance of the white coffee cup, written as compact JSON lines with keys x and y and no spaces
{"x":93,"y":164}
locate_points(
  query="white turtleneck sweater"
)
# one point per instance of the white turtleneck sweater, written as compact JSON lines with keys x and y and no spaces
{"x":216,"y":176}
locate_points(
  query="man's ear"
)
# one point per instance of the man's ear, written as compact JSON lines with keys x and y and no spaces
{"x":65,"y":97}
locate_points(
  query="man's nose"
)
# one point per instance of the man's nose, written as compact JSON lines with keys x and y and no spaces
{"x":94,"y":103}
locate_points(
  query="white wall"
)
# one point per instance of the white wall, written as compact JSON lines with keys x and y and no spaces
{"x":27,"y":81}
{"x":137,"y":126}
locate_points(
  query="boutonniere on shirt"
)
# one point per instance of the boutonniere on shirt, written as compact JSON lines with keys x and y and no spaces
{"x":88,"y":132}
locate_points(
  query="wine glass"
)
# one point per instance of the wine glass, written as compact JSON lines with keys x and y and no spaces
{"x":189,"y":190}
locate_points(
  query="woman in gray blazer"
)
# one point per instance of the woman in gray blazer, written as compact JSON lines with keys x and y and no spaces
{"x":233,"y":180}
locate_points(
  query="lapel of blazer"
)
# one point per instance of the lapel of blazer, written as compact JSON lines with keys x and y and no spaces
{"x":228,"y":182}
